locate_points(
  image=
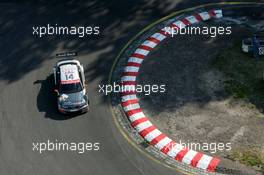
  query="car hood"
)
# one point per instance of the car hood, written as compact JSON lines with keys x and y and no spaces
{"x":71,"y":99}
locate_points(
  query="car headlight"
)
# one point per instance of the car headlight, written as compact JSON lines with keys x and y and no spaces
{"x":83,"y":102}
{"x":63,"y":97}
{"x":60,"y":98}
{"x":62,"y":104}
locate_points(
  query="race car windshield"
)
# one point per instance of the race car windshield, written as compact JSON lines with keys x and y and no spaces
{"x":70,"y":88}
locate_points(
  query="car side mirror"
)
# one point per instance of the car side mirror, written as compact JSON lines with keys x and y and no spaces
{"x":85,"y":84}
{"x":56,"y":91}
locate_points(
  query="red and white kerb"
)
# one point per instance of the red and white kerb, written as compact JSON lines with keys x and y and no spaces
{"x":132,"y":108}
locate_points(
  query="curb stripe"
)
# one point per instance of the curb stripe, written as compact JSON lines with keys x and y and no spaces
{"x":144,"y":132}
{"x":136,"y":116}
{"x":179,"y":24}
{"x":213,"y":164}
{"x":212,"y":13}
{"x":163,"y":142}
{"x":131,"y":69}
{"x":129,"y":74}
{"x":164,"y":33}
{"x":181,"y":154}
{"x":175,"y":150}
{"x":135,"y":60}
{"x":141,"y":51}
{"x":127,"y":88}
{"x":198,"y":17}
{"x":157,"y":139}
{"x":205,"y":16}
{"x":189,"y":157}
{"x":133,"y":64}
{"x":196,"y":159}
{"x":137,"y":122}
{"x":149,"y":44}
{"x":131,"y":106}
{"x":128,"y":97}
{"x":140,"y":127}
{"x":137,"y":55}
{"x":174,"y":27}
{"x":168,"y":147}
{"x":124,"y":104}
{"x":168,"y":30}
{"x":152,"y":135}
{"x":185,"y":21}
{"x":218,"y":13}
{"x":128,"y":83}
{"x":154,"y":40}
{"x":204,"y":162}
{"x":132,"y":112}
{"x":128,"y":93}
{"x":192,"y":19}
{"x":145,"y":47}
{"x":128,"y":78}
{"x":158,"y":36}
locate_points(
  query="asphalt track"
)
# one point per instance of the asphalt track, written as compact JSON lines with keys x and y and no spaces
{"x":28,"y":113}
{"x":27,"y":106}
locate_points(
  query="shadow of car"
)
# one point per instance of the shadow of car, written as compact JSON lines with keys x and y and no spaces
{"x":47,"y":100}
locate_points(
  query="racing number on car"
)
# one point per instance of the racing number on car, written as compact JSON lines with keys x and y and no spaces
{"x":69,"y":76}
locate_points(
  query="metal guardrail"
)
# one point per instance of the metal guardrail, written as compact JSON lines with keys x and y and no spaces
{"x":247,"y":46}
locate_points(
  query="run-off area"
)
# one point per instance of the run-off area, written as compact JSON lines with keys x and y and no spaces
{"x":214,"y":95}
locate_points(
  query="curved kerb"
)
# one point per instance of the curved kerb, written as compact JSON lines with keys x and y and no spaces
{"x":132,"y":108}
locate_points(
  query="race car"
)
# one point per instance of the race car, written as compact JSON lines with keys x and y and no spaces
{"x":70,"y":85}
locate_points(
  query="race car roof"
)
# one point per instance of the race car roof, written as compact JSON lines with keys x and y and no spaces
{"x":69,"y":74}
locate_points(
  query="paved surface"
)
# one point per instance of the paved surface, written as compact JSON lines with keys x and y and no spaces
{"x":27,"y":112}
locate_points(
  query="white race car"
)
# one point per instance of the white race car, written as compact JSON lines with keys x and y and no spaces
{"x":70,"y":84}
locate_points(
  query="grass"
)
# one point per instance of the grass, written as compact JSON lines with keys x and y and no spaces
{"x":243,"y":80}
{"x":248,"y":157}
{"x":244,"y":74}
